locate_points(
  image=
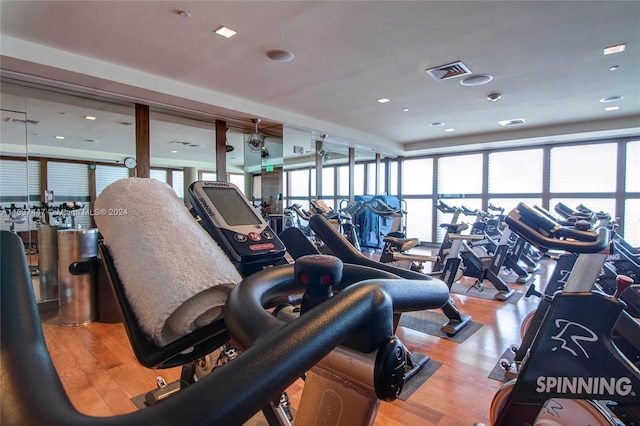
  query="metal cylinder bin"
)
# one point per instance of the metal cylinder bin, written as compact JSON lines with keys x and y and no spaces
{"x":77,"y":275}
{"x":48,"y":260}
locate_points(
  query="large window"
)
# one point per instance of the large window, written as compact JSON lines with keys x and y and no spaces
{"x":328,"y":186}
{"x":417,"y":189}
{"x":583,"y":168}
{"x":632,"y":184}
{"x":419,"y":217}
{"x":106,"y":175}
{"x":632,"y":168}
{"x":632,"y":222}
{"x":343,"y":181}
{"x":516,"y":172}
{"x":460,"y":174}
{"x":417,"y":176}
{"x":358,"y":179}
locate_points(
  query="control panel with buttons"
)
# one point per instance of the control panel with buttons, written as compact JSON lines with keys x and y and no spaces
{"x":235,"y":225}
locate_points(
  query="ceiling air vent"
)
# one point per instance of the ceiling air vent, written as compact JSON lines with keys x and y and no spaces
{"x":19,"y":121}
{"x":444,"y":72}
{"x":512,"y":122}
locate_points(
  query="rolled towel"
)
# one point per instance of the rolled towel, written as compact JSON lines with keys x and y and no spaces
{"x":175,"y":276}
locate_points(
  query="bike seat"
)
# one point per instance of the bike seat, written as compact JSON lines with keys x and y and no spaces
{"x":454,"y":227}
{"x":402,"y":244}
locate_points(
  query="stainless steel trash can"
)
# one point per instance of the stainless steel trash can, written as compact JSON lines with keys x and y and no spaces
{"x":77,"y":275}
{"x":48,"y":260}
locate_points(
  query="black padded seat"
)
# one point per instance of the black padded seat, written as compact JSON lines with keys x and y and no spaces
{"x":402,"y":244}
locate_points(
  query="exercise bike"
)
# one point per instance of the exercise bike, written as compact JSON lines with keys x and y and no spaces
{"x":575,"y":371}
{"x":360,"y":319}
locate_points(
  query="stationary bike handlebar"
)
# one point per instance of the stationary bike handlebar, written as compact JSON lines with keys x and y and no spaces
{"x":445,"y":208}
{"x":248,"y":320}
{"x":541,"y":231}
{"x":32,"y":392}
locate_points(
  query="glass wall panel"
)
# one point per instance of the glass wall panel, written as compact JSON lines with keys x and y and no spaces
{"x":460,"y":174}
{"x":516,"y":172}
{"x":70,"y":184}
{"x":417,"y":177}
{"x":181,"y":141}
{"x":583,"y":168}
{"x":16,"y":182}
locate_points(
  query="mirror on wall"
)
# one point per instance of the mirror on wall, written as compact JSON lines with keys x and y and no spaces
{"x":19,"y":184}
{"x":263,"y":161}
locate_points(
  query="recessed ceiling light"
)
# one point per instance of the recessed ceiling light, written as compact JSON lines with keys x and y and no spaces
{"x":384,"y":100}
{"x":611,"y":99}
{"x":89,"y":117}
{"x":91,"y":140}
{"x":614,"y":68}
{"x":405,"y":109}
{"x":494,"y":97}
{"x":280,"y":56}
{"x":59,"y":137}
{"x":225,"y":32}
{"x":612,"y":108}
{"x":174,"y":152}
{"x":436,"y":124}
{"x":450,"y":129}
{"x":614,"y":49}
{"x":477,"y":80}
{"x":184,"y":14}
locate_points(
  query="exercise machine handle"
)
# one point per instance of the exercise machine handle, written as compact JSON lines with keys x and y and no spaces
{"x":541,"y":231}
{"x":248,"y":320}
{"x":32,"y":392}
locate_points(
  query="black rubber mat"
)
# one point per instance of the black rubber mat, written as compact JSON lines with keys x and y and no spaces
{"x":418,"y":380}
{"x":429,"y":322}
{"x":498,"y":372}
{"x":488,"y":292}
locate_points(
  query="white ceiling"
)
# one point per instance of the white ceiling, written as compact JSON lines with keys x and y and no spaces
{"x":546,"y":58}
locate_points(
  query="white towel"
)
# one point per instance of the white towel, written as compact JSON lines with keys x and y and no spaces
{"x":175,"y":276}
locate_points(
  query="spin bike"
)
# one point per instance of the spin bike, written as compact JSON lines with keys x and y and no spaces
{"x":577,"y":369}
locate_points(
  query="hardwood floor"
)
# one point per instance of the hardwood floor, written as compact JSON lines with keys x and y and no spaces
{"x":101,"y":374}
